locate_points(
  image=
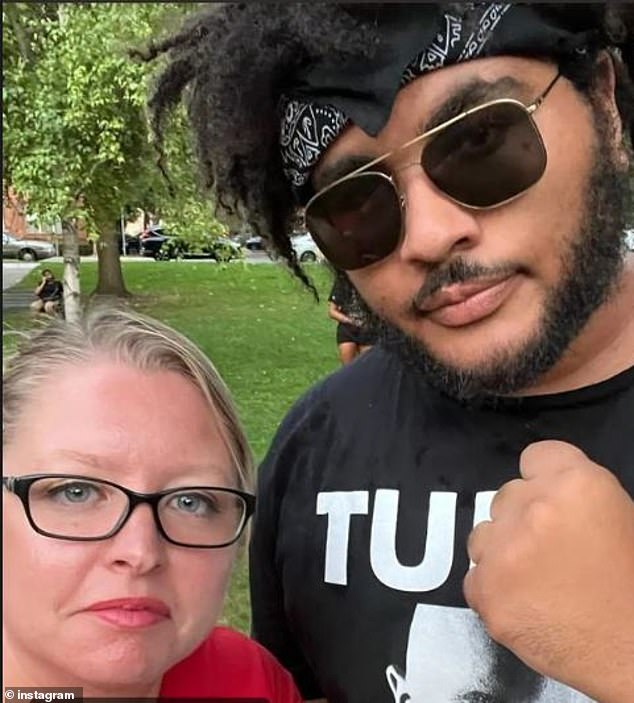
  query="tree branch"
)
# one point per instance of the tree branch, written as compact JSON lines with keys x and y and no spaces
{"x":13,"y":14}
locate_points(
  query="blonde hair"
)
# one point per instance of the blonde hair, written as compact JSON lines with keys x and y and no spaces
{"x":130,"y":338}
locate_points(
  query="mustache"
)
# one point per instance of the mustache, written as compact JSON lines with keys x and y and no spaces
{"x":460,"y":271}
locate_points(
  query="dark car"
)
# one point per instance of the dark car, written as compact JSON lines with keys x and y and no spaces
{"x":132,"y":245}
{"x":255,"y":244}
{"x":151,"y":241}
{"x":164,"y":246}
{"x":222,"y":249}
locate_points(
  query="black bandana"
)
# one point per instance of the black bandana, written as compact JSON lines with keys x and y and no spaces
{"x":327,"y":96}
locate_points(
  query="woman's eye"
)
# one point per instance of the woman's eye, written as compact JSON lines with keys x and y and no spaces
{"x":74,"y":492}
{"x":194,"y":504}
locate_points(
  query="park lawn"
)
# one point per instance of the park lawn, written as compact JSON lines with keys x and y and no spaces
{"x":264,"y":332}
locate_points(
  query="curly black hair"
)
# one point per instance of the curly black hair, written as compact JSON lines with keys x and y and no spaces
{"x":231,"y":62}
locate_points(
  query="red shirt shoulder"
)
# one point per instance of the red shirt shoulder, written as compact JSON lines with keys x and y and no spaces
{"x":230,"y":665}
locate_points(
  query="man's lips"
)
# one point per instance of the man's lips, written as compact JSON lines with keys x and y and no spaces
{"x":464,"y":303}
{"x":131,"y":612}
{"x":458,"y":292}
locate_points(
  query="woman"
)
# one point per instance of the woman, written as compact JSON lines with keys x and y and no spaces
{"x":126,"y":490}
{"x":352,"y":337}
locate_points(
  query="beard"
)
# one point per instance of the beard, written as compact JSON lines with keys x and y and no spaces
{"x":591,"y":266}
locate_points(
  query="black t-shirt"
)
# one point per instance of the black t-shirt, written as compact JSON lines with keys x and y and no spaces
{"x":52,"y":290}
{"x":347,"y":300}
{"x":366,"y":499}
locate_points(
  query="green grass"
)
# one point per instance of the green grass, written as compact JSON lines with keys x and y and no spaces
{"x":266,"y":335}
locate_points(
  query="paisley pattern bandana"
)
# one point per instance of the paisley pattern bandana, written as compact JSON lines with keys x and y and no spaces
{"x":328,"y":97}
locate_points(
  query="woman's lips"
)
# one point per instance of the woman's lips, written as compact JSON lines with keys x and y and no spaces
{"x":465,"y":303}
{"x":131,"y":612}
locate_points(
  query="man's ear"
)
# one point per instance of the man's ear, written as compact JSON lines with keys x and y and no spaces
{"x":604,"y":87}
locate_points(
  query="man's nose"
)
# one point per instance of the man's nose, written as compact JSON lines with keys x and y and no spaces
{"x":434,"y":226}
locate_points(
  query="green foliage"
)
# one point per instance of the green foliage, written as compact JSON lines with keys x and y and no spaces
{"x":73,"y":113}
{"x":76,"y":142}
{"x":185,"y":212}
{"x":206,"y":244}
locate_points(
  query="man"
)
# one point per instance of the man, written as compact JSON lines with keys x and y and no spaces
{"x":353,"y":338}
{"x":466,"y":165}
{"x":49,"y":292}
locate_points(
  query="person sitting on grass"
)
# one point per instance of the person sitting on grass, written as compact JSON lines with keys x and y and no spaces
{"x":49,"y":294}
{"x":123,"y":516}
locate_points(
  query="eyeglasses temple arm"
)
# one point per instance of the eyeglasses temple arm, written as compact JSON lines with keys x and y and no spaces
{"x":9,"y":483}
{"x":531,"y":108}
{"x":411,"y":142}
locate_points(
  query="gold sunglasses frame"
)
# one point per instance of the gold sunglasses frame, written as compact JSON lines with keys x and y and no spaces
{"x":363,"y":170}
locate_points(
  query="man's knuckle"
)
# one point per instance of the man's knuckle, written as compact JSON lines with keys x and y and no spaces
{"x":541,"y":515}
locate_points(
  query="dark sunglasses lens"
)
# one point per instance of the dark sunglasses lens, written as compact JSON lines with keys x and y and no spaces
{"x":487,"y":157}
{"x":357,"y":222}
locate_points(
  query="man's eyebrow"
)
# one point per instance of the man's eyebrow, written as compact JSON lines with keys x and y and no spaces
{"x":340,"y":168}
{"x":472,"y":94}
{"x":467,"y":95}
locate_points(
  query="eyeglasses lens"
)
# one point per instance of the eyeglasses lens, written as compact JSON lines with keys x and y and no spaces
{"x":358,"y":222}
{"x":485,"y":159}
{"x":202,"y":517}
{"x":76,"y":507}
{"x":488,"y":157}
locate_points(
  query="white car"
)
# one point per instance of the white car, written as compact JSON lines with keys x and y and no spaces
{"x":629,"y":239}
{"x":306,"y":249}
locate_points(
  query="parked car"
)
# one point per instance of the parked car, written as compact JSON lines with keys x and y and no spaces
{"x":151,"y":240}
{"x":305,"y":248}
{"x":225,"y":249}
{"x":164,"y":246}
{"x":132,"y":244}
{"x":154,"y":230}
{"x":255,"y":244}
{"x":25,"y":249}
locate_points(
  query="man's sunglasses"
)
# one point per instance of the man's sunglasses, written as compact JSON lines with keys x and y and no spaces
{"x":483,"y":158}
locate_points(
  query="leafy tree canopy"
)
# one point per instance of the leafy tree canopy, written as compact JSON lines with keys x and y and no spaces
{"x":76,"y":141}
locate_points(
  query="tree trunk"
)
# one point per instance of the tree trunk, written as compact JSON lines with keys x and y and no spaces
{"x":110,"y":276}
{"x":70,"y":248}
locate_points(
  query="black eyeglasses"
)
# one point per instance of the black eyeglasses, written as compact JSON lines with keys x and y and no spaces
{"x":81,"y":508}
{"x":483,"y":158}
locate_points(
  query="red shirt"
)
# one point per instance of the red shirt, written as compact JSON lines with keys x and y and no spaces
{"x":229,"y":665}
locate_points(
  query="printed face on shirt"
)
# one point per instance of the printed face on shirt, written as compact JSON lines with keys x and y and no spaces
{"x":147,"y":431}
{"x":451,"y":659}
{"x":513,"y":285}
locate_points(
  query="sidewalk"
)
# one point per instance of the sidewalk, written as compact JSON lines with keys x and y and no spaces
{"x":12,"y":274}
